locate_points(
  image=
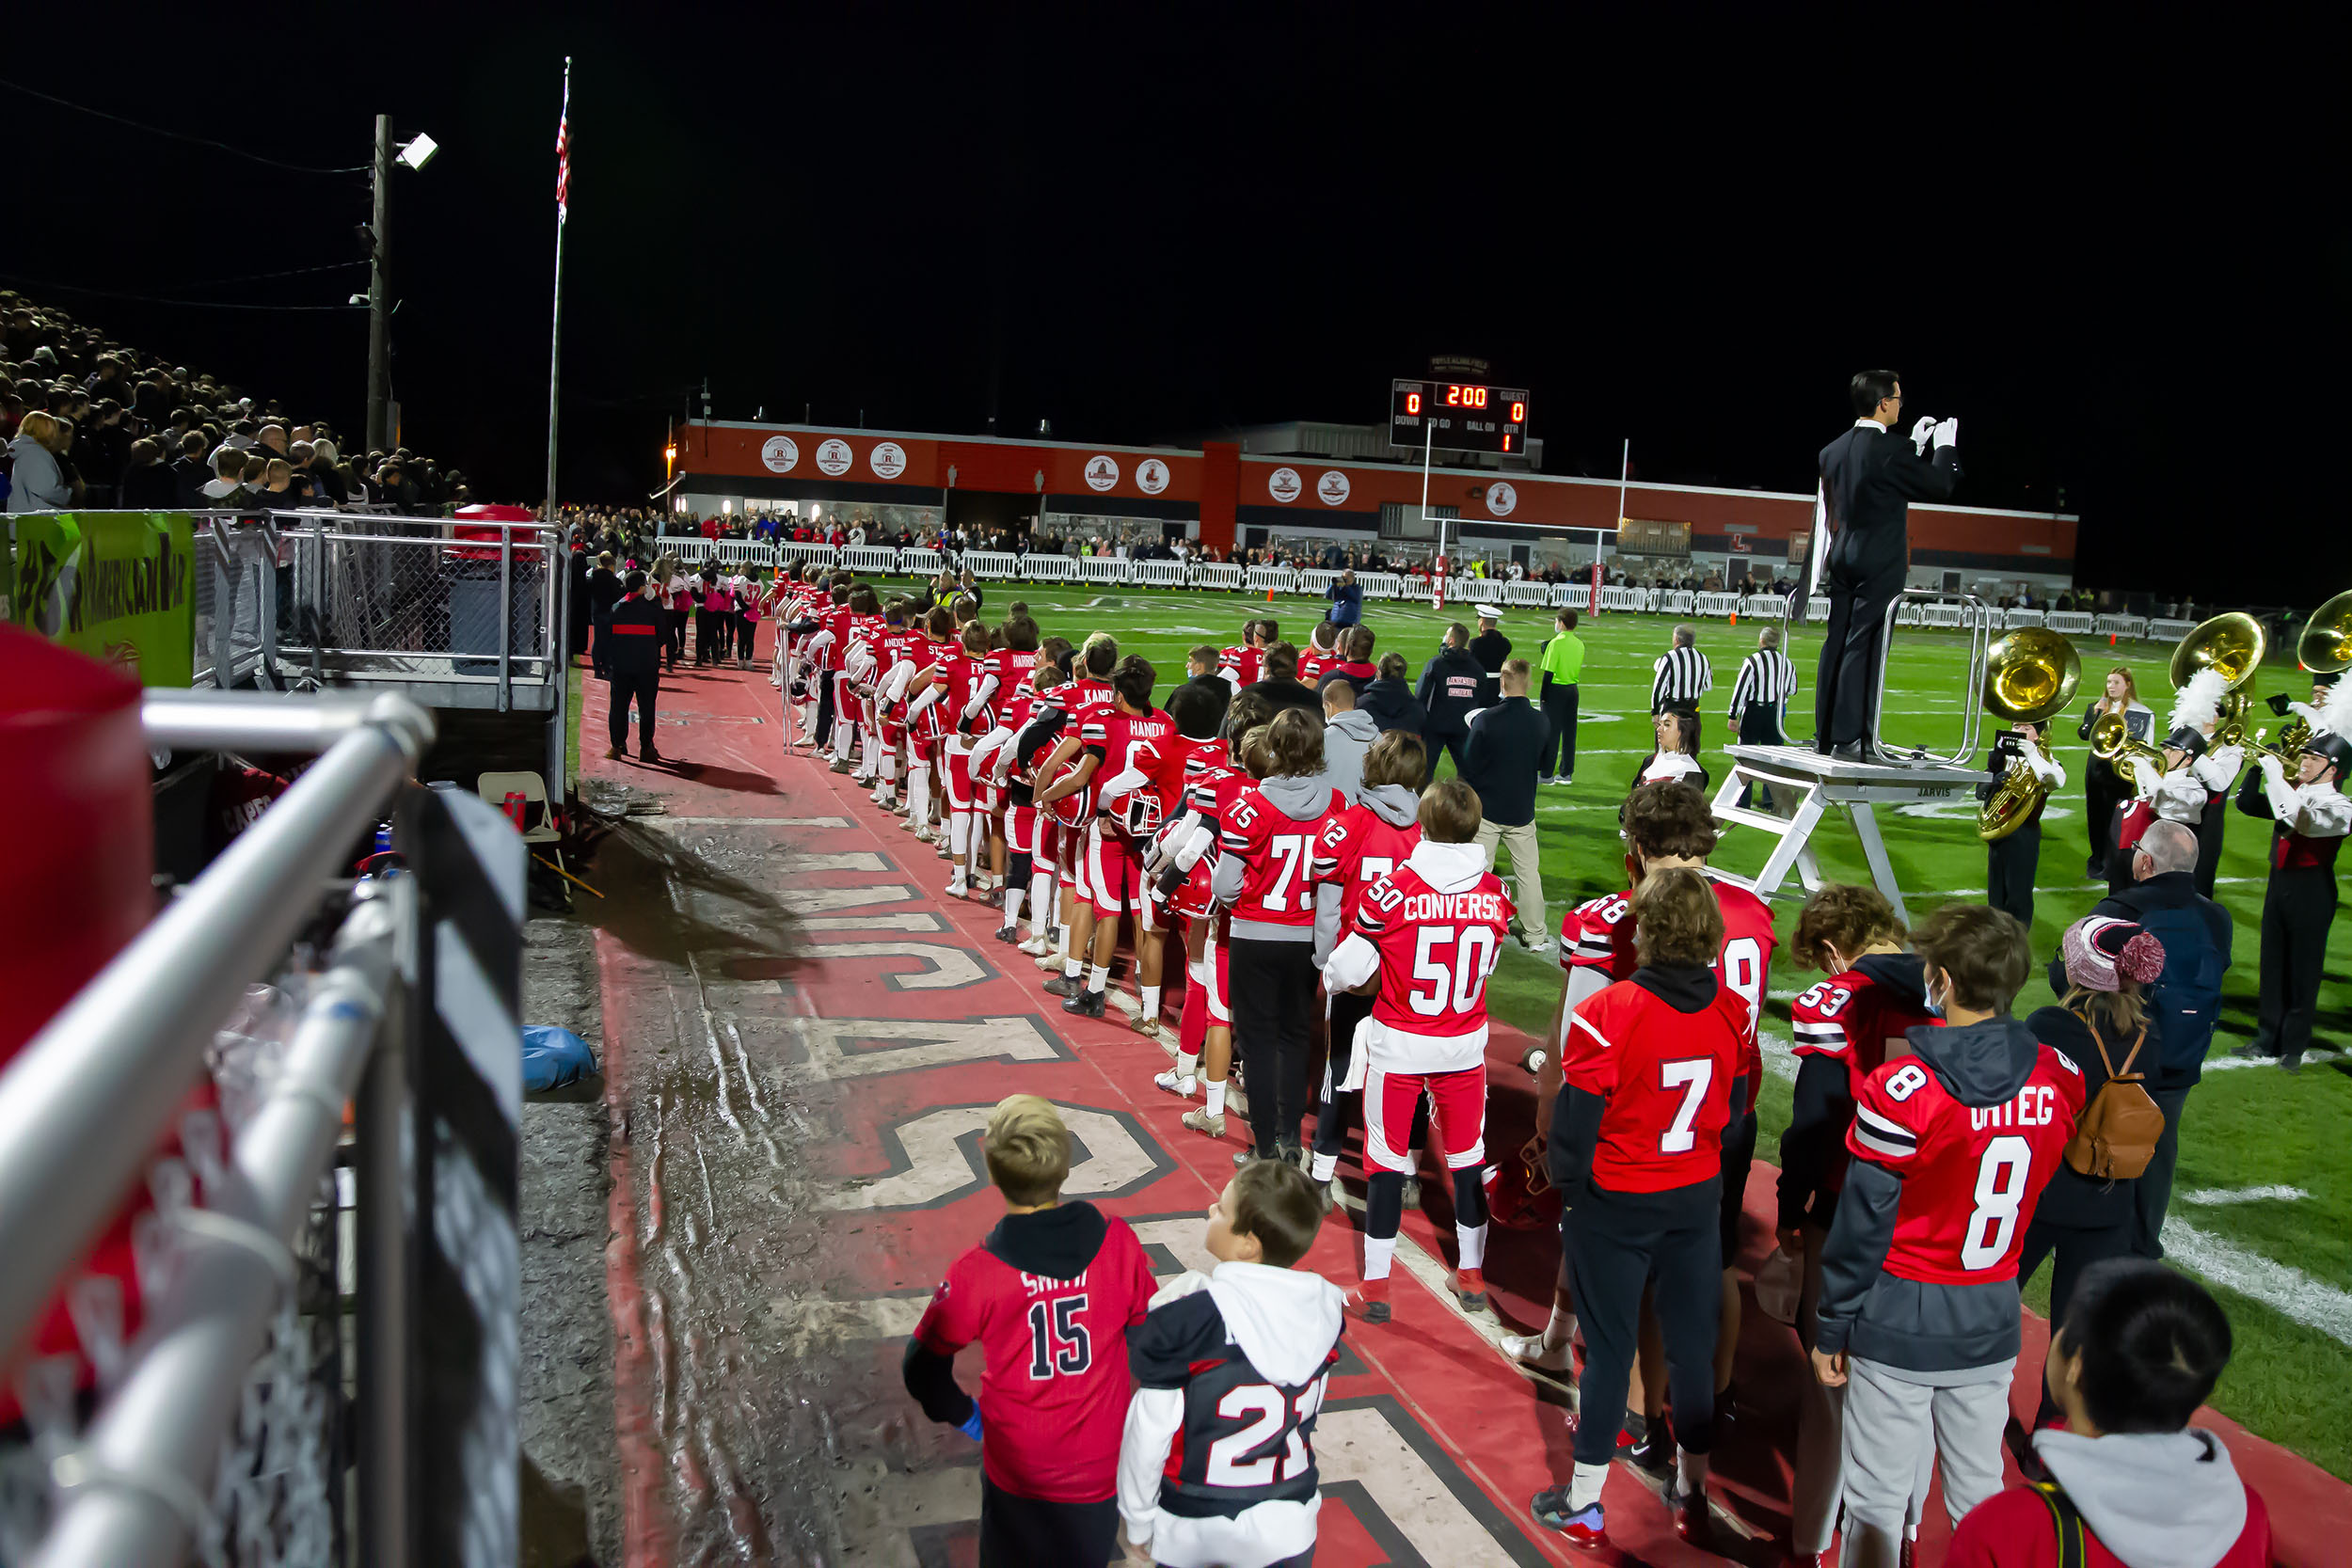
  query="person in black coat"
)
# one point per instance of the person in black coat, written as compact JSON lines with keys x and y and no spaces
{"x":1391,"y":702}
{"x":2104,"y":1022}
{"x":1869,"y":478}
{"x":1201,"y":665}
{"x":604,"y":592}
{"x":1453,"y":687}
{"x":633,"y":666}
{"x":1281,"y":687}
{"x":148,"y":484}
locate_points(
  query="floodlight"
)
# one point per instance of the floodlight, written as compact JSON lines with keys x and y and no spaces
{"x":419,"y":152}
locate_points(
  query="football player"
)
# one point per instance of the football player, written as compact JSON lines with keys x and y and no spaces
{"x":1265,"y":877}
{"x":1651,"y":1081}
{"x":1217,"y":1466}
{"x":1845,"y":1028}
{"x":1425,"y":938}
{"x":1050,"y":1297}
{"x":1363,"y":845}
{"x":1322,"y":655}
{"x":1242,"y":663}
{"x":1073,"y":813}
{"x":1951,"y":1146}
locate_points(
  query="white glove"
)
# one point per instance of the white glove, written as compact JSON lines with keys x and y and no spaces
{"x":1947,"y":435}
{"x":1921,"y":432}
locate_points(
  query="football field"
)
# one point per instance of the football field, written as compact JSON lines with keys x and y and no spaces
{"x":2263,"y":1202}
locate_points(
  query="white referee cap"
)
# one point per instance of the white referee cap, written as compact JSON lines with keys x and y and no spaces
{"x":1488,"y":612}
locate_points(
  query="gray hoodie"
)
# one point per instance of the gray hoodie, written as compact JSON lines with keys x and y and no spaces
{"x":36,"y":483}
{"x":1393,"y":804}
{"x":2169,"y":1499}
{"x":1301,"y":800}
{"x":1346,"y":739}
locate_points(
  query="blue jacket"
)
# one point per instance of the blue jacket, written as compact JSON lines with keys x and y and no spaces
{"x":1347,"y":603}
{"x":2196,"y":935}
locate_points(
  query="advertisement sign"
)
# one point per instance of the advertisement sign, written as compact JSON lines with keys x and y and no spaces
{"x":118,"y":586}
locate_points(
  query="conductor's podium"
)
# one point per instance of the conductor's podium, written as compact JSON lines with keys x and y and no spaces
{"x":1804,"y":784}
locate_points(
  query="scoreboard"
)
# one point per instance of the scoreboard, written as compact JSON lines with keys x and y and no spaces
{"x":1457,"y":416}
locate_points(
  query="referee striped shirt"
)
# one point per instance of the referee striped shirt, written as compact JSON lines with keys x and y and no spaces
{"x":1765,"y":676}
{"x":1683,"y":677}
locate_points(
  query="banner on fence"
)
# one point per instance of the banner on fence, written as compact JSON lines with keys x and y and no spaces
{"x":113,"y":585}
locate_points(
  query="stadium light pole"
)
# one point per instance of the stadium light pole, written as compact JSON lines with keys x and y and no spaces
{"x":416,"y":155}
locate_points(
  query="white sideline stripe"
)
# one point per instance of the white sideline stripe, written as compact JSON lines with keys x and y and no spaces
{"x":2239,"y":1064}
{"x":2281,"y":1287}
{"x":2205,"y":1197}
{"x":750,"y":821}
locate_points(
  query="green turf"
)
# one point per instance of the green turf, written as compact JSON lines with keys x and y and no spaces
{"x":2242,"y":1128}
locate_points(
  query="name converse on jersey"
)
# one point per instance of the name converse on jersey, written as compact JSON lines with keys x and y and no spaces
{"x":1434,"y":908}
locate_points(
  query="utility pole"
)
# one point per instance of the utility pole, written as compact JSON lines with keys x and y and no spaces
{"x":379,"y":291}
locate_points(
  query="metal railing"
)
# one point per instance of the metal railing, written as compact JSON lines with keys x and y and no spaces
{"x":202,"y":1443}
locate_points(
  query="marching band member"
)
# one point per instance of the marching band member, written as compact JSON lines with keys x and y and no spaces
{"x":2102,"y":787}
{"x":2011,"y":862}
{"x":2176,"y":793}
{"x":2311,"y":817}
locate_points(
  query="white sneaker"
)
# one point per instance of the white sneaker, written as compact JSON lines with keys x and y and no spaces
{"x":1051,"y":957}
{"x":1034,"y":947}
{"x":1528,"y":1350}
{"x":1533,"y":943}
{"x":1177,"y":1085}
{"x":1200,"y":1121}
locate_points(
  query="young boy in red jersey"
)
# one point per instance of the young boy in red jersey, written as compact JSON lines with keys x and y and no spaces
{"x":1244,"y":662}
{"x":2133,"y":1484}
{"x":1217,"y":1466}
{"x":1363,"y":843}
{"x":1049,"y":1296}
{"x":1265,"y":877}
{"x":1322,"y":655}
{"x":1845,"y":1026}
{"x":1423,"y":941}
{"x":1951,"y":1146}
{"x":1652,"y":1078}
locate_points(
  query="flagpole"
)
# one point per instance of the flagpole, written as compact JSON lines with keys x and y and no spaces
{"x":559,"y":559}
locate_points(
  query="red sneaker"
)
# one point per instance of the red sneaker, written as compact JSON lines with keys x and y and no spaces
{"x":1370,"y":1301}
{"x":1470,"y":1286}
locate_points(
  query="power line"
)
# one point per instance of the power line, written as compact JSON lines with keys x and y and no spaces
{"x":153,"y":299}
{"x":258,"y":277}
{"x":178,"y":135}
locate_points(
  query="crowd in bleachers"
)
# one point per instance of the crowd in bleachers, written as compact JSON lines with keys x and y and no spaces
{"x":89,"y":422}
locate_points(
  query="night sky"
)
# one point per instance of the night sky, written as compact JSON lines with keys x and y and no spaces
{"x":2120,"y":258}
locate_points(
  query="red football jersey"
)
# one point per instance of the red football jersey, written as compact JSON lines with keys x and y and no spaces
{"x":1971,"y":1175}
{"x":1436,"y":952}
{"x":1011,"y":670}
{"x":1242,"y":663}
{"x":839,"y":622}
{"x":1666,"y":1075}
{"x":1598,"y":934}
{"x":1853,"y":1018}
{"x":1358,"y":849}
{"x":1313,"y":666}
{"x":1145,"y":742}
{"x":1277,"y":852}
{"x":1054,"y":1382}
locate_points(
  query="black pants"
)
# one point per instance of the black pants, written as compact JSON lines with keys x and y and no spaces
{"x":2298,"y":909}
{"x":2152,"y":1195}
{"x":822,"y":680}
{"x":1846,"y":684}
{"x":2009,"y":870}
{"x":1443,"y":745}
{"x":675,"y":621}
{"x":1029,"y":1533}
{"x":1271,"y":988}
{"x":644,"y":688}
{"x":746,"y":636}
{"x":2101,"y":793}
{"x":600,"y":648}
{"x":1616,"y":1242}
{"x":2072,"y":1249}
{"x":1331,"y":1108}
{"x":1760,"y":726}
{"x":704,"y":635}
{"x":1738,"y":1159}
{"x":1557,"y":757}
{"x":2209,"y":830}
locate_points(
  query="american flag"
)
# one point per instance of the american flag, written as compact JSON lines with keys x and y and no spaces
{"x":563,"y":151}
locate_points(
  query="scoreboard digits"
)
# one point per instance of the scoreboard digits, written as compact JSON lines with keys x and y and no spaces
{"x":1457,"y":416}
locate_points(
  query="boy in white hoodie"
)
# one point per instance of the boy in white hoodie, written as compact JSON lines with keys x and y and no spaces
{"x":1236,"y":1363}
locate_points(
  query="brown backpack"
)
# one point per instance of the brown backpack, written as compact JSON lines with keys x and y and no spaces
{"x":2118,"y":1132}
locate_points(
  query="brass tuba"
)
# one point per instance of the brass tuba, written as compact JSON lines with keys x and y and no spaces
{"x":2232,"y":643}
{"x":2029,"y":674}
{"x":2326,"y":645}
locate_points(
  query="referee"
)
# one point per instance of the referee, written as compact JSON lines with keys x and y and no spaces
{"x":1683,"y":676}
{"x":1759,"y":698}
{"x":1564,"y":661}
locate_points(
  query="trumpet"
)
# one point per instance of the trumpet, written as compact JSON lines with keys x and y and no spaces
{"x":2293,"y":737}
{"x":2111,"y":741}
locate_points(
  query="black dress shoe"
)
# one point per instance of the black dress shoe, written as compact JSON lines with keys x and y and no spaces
{"x":1087,"y":1004}
{"x":1849,"y":752}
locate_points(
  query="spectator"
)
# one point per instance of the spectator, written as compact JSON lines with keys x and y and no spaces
{"x":1347,"y":734}
{"x":189,"y":473}
{"x":1202,"y":666}
{"x":1452,"y":689}
{"x":1389,"y":701}
{"x":2163,"y":900}
{"x":148,"y":484}
{"x":1281,"y":685}
{"x":37,"y":481}
{"x":1563,"y":665}
{"x":605,"y":590}
{"x":226,"y":487}
{"x":2137,"y":1352}
{"x":1502,"y":762}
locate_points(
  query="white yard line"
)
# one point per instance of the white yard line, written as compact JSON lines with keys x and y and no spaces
{"x":2207,"y":1198}
{"x":2281,"y":1287}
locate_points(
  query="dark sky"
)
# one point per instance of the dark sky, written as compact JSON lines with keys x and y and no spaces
{"x":2120,"y":257}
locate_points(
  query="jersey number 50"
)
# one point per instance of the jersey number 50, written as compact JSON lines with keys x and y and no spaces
{"x":1461,"y":984}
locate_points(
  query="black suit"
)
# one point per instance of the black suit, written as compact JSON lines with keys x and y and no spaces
{"x":633,"y":666}
{"x":1868,"y":478}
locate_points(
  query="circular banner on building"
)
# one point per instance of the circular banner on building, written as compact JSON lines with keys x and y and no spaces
{"x":1501,"y":498}
{"x":888,"y":460}
{"x":1101,"y":472}
{"x":1332,"y":488}
{"x":1283,"y":486}
{"x":1150,"y":476}
{"x":779,"y":454}
{"x":833,"y":455}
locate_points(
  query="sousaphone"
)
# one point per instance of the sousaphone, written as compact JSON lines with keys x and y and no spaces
{"x":2029,"y":674}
